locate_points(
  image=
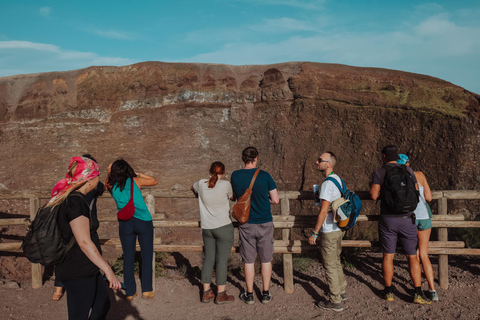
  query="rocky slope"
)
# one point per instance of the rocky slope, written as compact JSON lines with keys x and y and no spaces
{"x":172,"y":120}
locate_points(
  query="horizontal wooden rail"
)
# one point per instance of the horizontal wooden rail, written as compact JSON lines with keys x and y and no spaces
{"x":303,"y":221}
{"x":292,"y":195}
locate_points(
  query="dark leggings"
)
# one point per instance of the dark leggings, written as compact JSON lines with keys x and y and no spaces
{"x":129,"y":231}
{"x":87,"y":294}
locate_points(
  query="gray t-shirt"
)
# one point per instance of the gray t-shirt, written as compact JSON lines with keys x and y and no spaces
{"x":214,"y":203}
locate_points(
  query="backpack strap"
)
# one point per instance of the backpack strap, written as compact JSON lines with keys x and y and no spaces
{"x":342,"y":188}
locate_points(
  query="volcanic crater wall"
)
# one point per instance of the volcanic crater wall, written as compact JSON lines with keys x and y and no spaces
{"x":172,"y":120}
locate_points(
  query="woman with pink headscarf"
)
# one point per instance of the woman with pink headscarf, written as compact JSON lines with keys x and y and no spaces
{"x":79,"y":271}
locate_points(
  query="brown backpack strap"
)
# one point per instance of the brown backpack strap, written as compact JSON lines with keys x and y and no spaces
{"x":253,"y":179}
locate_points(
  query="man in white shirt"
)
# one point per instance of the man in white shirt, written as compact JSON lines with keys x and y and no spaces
{"x":330,"y":236}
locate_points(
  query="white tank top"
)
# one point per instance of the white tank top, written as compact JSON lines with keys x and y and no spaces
{"x":421,"y":212}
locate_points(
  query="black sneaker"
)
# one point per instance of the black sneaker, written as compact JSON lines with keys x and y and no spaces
{"x":266,"y":298}
{"x":328,"y":305}
{"x":247,"y":298}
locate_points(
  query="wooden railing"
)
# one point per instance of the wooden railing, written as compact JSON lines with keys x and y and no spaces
{"x":287,"y":247}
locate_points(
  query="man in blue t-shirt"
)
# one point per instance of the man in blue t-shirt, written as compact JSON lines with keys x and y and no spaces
{"x":256,"y":236}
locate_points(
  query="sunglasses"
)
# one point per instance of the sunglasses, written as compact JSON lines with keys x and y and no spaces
{"x":320,"y":160}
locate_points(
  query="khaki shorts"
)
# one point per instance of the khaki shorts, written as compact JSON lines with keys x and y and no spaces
{"x":256,"y":238}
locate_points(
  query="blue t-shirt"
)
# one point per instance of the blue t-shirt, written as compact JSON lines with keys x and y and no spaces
{"x":122,"y":198}
{"x":260,"y":202}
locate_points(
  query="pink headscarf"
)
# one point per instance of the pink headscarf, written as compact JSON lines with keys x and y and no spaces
{"x":87,"y":169}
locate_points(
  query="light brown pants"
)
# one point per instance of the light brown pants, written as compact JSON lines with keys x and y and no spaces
{"x":331,"y":247}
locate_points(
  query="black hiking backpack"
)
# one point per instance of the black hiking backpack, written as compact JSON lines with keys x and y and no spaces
{"x":399,"y":193}
{"x":43,"y":243}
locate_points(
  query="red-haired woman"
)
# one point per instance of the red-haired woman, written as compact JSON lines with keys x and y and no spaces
{"x":217,"y":231}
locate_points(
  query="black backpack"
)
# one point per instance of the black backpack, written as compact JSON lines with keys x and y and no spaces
{"x":43,"y":243}
{"x":399,"y":193}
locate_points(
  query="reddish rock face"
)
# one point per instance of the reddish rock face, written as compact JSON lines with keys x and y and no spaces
{"x":173,"y":120}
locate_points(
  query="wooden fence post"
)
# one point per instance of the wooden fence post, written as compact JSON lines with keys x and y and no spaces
{"x":443,"y":236}
{"x":150,"y":202}
{"x":287,"y":257}
{"x":37,"y":273}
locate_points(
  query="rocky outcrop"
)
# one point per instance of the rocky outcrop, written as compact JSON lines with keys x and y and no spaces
{"x":173,"y":120}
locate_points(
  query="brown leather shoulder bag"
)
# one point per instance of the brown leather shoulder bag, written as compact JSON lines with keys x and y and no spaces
{"x":241,"y":210}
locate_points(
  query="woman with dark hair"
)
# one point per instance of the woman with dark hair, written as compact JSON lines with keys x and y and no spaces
{"x":119,"y":183}
{"x":79,"y":271}
{"x":217,"y":231}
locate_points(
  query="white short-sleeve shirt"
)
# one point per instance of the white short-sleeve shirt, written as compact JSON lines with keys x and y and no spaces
{"x":330,"y":192}
{"x":214,"y":203}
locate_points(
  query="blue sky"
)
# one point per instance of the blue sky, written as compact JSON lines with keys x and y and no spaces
{"x":438,"y":38}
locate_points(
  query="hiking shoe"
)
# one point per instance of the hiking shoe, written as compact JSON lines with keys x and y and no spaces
{"x":266,"y":298}
{"x":387,"y":296}
{"x":328,"y":305}
{"x":208,"y":296}
{"x":247,"y":298}
{"x":223,"y":297}
{"x":344,"y":296}
{"x":432,"y":295}
{"x":421,"y":299}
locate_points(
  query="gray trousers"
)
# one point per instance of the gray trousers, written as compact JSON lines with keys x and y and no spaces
{"x":331,"y":247}
{"x":217,"y":245}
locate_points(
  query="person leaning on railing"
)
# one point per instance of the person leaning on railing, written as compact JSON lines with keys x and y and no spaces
{"x":141,"y":225}
{"x":217,"y":231}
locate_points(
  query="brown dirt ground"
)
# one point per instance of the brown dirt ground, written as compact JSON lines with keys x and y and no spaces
{"x":178,"y":295}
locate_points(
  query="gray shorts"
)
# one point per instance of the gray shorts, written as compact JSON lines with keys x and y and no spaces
{"x":404,"y":230}
{"x":256,"y":238}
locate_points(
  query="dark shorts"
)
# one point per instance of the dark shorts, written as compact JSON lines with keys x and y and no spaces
{"x":423,"y":225}
{"x":256,"y":238}
{"x":392,"y":229}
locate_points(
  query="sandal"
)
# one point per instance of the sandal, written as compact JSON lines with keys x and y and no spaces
{"x":57,"y":296}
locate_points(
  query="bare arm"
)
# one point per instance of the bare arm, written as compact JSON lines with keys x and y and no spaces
{"x":320,"y":220}
{"x":427,"y":192}
{"x":273,"y":194}
{"x":81,"y":230}
{"x":144,"y":180}
{"x":375,"y":191}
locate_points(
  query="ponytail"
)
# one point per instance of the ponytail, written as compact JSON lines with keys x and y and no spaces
{"x":215,"y":169}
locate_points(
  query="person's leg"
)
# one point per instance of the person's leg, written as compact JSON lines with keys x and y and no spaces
{"x":423,"y":240}
{"x":224,"y":243}
{"x":266,"y":275}
{"x":209,"y":258}
{"x":58,"y":294}
{"x":341,"y":277}
{"x":415,"y":271}
{"x":144,"y":230}
{"x":80,"y":297}
{"x":248,"y":252}
{"x":128,"y":240}
{"x":387,"y":236}
{"x":101,"y":304}
{"x":328,"y":248}
{"x":265,"y":247}
{"x":408,"y":238}
{"x":387,"y":267}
